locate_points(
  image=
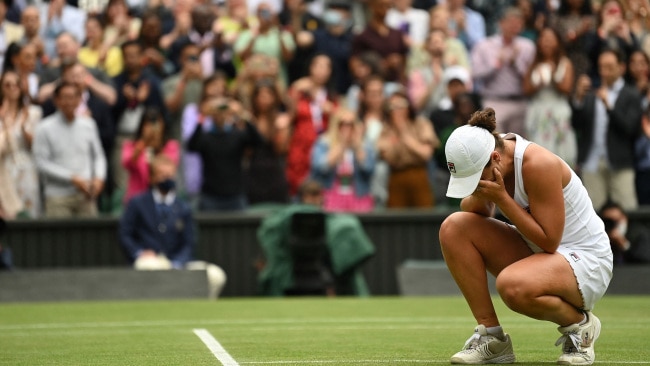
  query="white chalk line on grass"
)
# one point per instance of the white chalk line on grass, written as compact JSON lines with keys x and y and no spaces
{"x":216,"y":348}
{"x":347,"y":362}
{"x":355,"y":323}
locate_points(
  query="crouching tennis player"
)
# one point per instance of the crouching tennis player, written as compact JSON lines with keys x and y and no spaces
{"x":553,"y":262}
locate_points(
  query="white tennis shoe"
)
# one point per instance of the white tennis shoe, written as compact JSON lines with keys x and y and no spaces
{"x":483,"y":348}
{"x":578,"y":342}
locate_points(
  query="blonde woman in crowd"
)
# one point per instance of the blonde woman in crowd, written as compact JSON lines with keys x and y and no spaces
{"x":343,"y":161}
{"x":19,"y":190}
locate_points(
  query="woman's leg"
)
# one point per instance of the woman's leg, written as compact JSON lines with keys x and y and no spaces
{"x":542,"y":286}
{"x":472,"y":244}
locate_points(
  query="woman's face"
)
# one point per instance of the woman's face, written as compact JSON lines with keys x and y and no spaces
{"x":94,"y":30}
{"x":548,"y":43}
{"x":638,"y":65}
{"x":321,"y":70}
{"x":265,"y":99}
{"x":27,"y":58}
{"x":10,"y":86}
{"x":612,"y":10}
{"x":373,"y":94}
{"x":398,"y":106}
{"x":154,"y":129}
{"x":216,"y":88}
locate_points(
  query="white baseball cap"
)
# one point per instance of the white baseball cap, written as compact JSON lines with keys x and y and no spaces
{"x":468,"y":151}
{"x":456,"y":72}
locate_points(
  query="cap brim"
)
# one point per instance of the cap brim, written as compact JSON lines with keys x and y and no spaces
{"x":463,"y":187}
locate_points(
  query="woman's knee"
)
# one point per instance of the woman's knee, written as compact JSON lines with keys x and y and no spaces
{"x":514,"y":289}
{"x":455,"y":226}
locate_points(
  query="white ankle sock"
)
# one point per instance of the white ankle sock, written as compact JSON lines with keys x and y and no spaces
{"x":496,"y":331}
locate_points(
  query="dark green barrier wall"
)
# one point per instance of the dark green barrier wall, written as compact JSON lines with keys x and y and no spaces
{"x":230,"y":241}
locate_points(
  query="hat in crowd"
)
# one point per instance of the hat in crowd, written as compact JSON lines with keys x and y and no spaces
{"x":456,"y":72}
{"x":468,"y":151}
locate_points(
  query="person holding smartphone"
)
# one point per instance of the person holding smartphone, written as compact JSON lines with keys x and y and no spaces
{"x":222,"y":149}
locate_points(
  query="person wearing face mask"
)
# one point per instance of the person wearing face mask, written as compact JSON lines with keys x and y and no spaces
{"x":630,"y":242}
{"x":156,"y":230}
{"x":335,"y":40}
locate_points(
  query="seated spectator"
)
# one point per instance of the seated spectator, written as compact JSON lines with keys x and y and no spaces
{"x":95,"y":53}
{"x":69,"y":157}
{"x":630,"y":241}
{"x":19,"y":183}
{"x":267,"y":39}
{"x":343,"y":162}
{"x":222,"y":150}
{"x":151,"y":140}
{"x":406,"y":144}
{"x":157,"y":228}
{"x":58,"y":17}
{"x":214,"y":86}
{"x":265,"y":163}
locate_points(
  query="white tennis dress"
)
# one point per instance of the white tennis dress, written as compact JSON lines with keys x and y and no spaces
{"x":584,"y":243}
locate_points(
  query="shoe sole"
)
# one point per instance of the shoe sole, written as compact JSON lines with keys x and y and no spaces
{"x":497,"y":360}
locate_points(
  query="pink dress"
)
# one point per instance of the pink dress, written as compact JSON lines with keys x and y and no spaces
{"x":139,"y":169}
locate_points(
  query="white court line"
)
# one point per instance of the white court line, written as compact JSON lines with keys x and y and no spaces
{"x":215,"y":347}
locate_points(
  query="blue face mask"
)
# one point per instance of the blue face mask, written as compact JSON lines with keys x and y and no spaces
{"x":334,"y":18}
{"x":166,"y":185}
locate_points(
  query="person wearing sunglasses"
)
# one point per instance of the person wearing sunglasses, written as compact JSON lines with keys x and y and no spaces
{"x":406,"y":144}
{"x":343,"y":162}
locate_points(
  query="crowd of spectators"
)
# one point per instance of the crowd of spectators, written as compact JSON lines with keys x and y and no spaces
{"x":251,"y":98}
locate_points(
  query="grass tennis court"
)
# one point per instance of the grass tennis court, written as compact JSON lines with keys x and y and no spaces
{"x":311,"y":331}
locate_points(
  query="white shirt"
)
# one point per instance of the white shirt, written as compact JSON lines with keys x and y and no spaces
{"x":601,"y":124}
